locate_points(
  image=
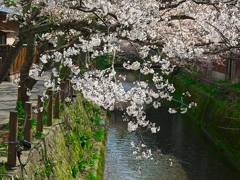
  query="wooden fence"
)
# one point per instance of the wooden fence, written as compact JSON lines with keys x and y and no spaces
{"x":13,"y":120}
{"x":20,"y":60}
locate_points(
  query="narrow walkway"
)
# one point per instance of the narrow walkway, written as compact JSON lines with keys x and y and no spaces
{"x":8,"y":98}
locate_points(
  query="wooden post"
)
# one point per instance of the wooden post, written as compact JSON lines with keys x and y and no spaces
{"x":68,"y":86}
{"x":63,"y":91}
{"x":57,"y":105}
{"x":40,"y":115}
{"x":13,"y":131}
{"x":71,"y":91}
{"x":49,"y":108}
{"x":28,"y":122}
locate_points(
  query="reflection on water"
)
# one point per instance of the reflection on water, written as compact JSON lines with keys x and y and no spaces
{"x":120,"y":163}
{"x":194,"y":155}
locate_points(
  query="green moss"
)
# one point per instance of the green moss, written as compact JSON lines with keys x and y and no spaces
{"x":101,"y":159}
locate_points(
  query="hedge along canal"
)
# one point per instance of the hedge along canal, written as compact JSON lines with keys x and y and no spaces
{"x":74,"y":148}
{"x":215,"y":114}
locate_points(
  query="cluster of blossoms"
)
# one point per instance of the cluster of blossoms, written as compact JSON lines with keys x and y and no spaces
{"x":179,"y":30}
{"x":102,"y":23}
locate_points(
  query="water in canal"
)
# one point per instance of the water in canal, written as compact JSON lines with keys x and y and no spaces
{"x":194,"y":156}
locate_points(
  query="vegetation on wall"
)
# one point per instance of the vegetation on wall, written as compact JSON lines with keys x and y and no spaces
{"x":74,"y":148}
{"x":216,"y":112}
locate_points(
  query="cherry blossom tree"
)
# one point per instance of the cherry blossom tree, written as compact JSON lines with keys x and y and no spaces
{"x":163,"y":33}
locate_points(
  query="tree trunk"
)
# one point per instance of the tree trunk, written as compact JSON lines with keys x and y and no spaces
{"x":25,"y":81}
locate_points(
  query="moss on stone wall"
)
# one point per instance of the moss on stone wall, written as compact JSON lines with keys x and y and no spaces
{"x":220,"y":118}
{"x":72,"y":149}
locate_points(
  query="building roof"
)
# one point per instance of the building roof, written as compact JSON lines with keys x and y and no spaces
{"x":5,"y":10}
{"x":8,"y":10}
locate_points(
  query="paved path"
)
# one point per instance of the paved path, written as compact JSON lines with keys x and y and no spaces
{"x":8,"y":98}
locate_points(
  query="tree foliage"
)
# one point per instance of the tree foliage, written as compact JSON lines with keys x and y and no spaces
{"x":163,"y":33}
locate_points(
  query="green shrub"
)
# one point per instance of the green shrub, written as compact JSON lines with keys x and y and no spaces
{"x":81,"y":164}
{"x":90,"y":176}
{"x":99,"y":134}
{"x":38,"y":134}
{"x":21,"y":112}
{"x":75,"y":171}
{"x":2,"y":169}
{"x":84,"y":140}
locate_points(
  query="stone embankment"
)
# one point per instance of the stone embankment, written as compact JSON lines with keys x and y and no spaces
{"x":217,"y":113}
{"x":73,"y":148}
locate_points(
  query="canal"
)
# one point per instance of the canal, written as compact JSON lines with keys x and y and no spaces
{"x":187,"y":152}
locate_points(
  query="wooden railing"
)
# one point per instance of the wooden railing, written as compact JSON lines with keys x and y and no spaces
{"x":13,"y":120}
